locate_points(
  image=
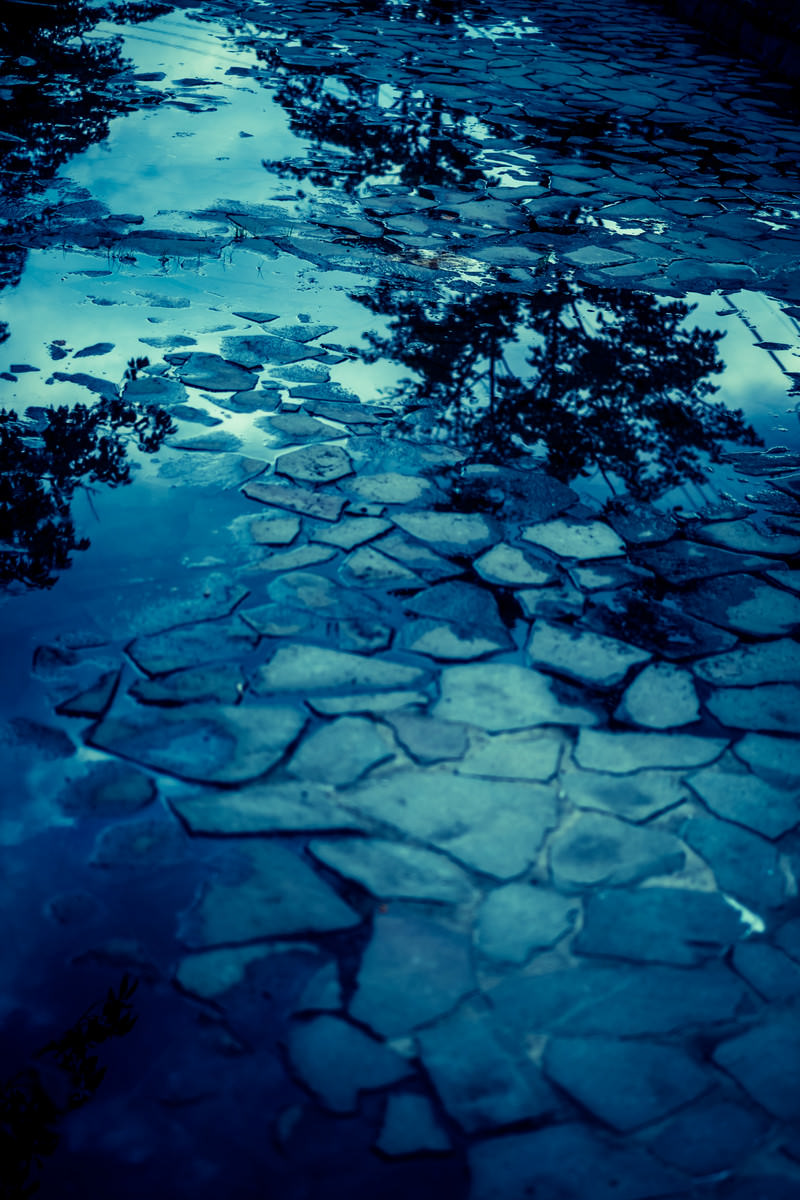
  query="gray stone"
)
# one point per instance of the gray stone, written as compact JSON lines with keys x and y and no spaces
{"x":734,"y":794}
{"x":771,"y":972}
{"x":391,"y":870}
{"x":72,"y":908}
{"x":319,"y":594}
{"x":450,"y":532}
{"x":788,"y":938}
{"x":367,"y":567}
{"x":278,"y":895}
{"x":373,"y":703}
{"x":478,"y":1082}
{"x":336,"y":1061}
{"x":205,"y":744}
{"x":657,"y":924}
{"x":594,"y":849}
{"x":417,"y":556}
{"x":710,"y":1137}
{"x":552,"y":603}
{"x":93,"y":701}
{"x":575,"y":539}
{"x":352,"y":531}
{"x":152,"y":611}
{"x":775,"y":759}
{"x":223,"y":472}
{"x":774,"y":707}
{"x":619,"y":753}
{"x":498,"y":697}
{"x":462,"y":604}
{"x":608,"y":575}
{"x":256,"y":349}
{"x":192,"y":646}
{"x":762,"y":662}
{"x":566,"y":1162}
{"x":620,"y":1000}
{"x":634,"y":797}
{"x":766,"y":1062}
{"x":511,"y":567}
{"x":661,"y":628}
{"x":428,"y":740}
{"x":495,"y":828}
{"x":274,"y":529}
{"x":215,"y":374}
{"x":299,"y":668}
{"x":218,"y":683}
{"x":683,"y":561}
{"x":625,"y":1084}
{"x":315,"y":464}
{"x":410,"y":1127}
{"x":108,"y":790}
{"x":413,"y":971}
{"x":209,"y":443}
{"x":745,"y":605}
{"x":744,"y":865}
{"x":530,"y":755}
{"x":641,"y":524}
{"x":145,"y":843}
{"x":391,"y":488}
{"x":341,"y":752}
{"x":747,"y":538}
{"x":323,"y":505}
{"x":212,"y":973}
{"x":293,"y":428}
{"x":288,"y":807}
{"x":297,"y":558}
{"x":439,"y":639}
{"x":662,"y":696}
{"x":517,"y":919}
{"x":323,"y":992}
{"x":579,"y":654}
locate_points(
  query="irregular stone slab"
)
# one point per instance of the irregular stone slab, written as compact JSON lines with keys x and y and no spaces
{"x":570,"y":1162}
{"x":146,"y":843}
{"x":765,"y":1061}
{"x":450,"y":532}
{"x":597,"y":849}
{"x":208,"y":443}
{"x":428,"y":740}
{"x":367,"y":567}
{"x":319,"y":594}
{"x":608,"y":575}
{"x":770,"y":707}
{"x":108,"y":790}
{"x":219,"y":683}
{"x":661,"y":628}
{"x":788,"y":938}
{"x":341,"y":752}
{"x":462,"y":604}
{"x":736,"y":795}
{"x":552,"y":603}
{"x":323,"y":992}
{"x":621,"y":1001}
{"x":151,"y":611}
{"x":373,"y":703}
{"x":215,"y":374}
{"x":517,"y":919}
{"x":662,"y":696}
{"x":211,"y":973}
{"x":532,"y":756}
{"x":221,"y":471}
{"x":641,"y":524}
{"x":438,"y":639}
{"x":771,"y":972}
{"x":204,"y":744}
{"x":634,"y":797}
{"x":301,"y":331}
{"x":655,"y":924}
{"x":391,"y":488}
{"x":254,"y":350}
{"x":352,"y":531}
{"x":315,"y":464}
{"x":745,"y":605}
{"x":744,"y":865}
{"x":289,"y":807}
{"x":336,"y":1061}
{"x":575,"y":539}
{"x":762,"y":662}
{"x":580,"y":654}
{"x":710,"y":1137}
{"x":299,"y":668}
{"x":619,"y":753}
{"x":296,"y":559}
{"x":683,"y":561}
{"x":293,"y":428}
{"x":413,"y":971}
{"x":497,"y":828}
{"x":775,"y":759}
{"x":322,"y":505}
{"x":192,"y":646}
{"x":391,"y":870}
{"x":625,"y":1084}
{"x":93,"y":701}
{"x":747,"y":538}
{"x":417,"y":556}
{"x":278,"y":895}
{"x":274,"y":529}
{"x":509,"y":566}
{"x":410,"y":1127}
{"x":498,"y":697}
{"x":478,"y":1082}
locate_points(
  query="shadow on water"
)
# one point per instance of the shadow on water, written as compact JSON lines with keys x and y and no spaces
{"x":611,"y":380}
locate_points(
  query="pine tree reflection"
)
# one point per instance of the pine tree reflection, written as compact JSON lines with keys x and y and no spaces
{"x":612,"y":380}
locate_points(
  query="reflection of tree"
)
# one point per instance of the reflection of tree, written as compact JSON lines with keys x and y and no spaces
{"x":41,"y":468}
{"x":613,"y":381}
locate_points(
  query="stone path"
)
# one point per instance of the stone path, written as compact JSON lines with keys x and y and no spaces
{"x":449,"y":816}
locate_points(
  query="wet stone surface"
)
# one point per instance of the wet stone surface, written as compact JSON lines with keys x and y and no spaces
{"x":420,"y":727}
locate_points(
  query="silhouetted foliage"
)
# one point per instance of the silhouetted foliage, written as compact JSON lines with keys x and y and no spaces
{"x":42,"y":465}
{"x":64,"y":1075}
{"x":615,"y":380}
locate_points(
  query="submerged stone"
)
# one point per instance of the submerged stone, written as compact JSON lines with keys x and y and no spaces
{"x":597,"y":849}
{"x":413,"y":971}
{"x":662,"y":696}
{"x":211,"y":973}
{"x":635,"y":797}
{"x":772,"y":973}
{"x":390,"y":488}
{"x":342,"y":751}
{"x":710,"y":1137}
{"x":619,"y":753}
{"x":279,"y":895}
{"x":661,"y":628}
{"x":575,"y":539}
{"x":462,"y":604}
{"x":744,"y":865}
{"x":108,"y":790}
{"x":502,"y":696}
{"x":336,"y":1061}
{"x":299,"y":668}
{"x":274,"y":529}
{"x":215,"y":374}
{"x":206,"y":744}
{"x":774,"y":759}
{"x":684,"y":561}
{"x":352,"y":531}
{"x":257,"y":349}
{"x":428,"y":740}
{"x":410,"y":1127}
{"x":219,"y":683}
{"x":438,"y":639}
{"x":765,"y":1061}
{"x":392,"y":870}
{"x":373,"y":703}
{"x":533,"y":755}
{"x":93,"y":701}
{"x":145,"y":843}
{"x":518,"y":918}
{"x":450,"y":532}
{"x":772,"y":707}
{"x":323,"y":505}
{"x":417,"y":556}
{"x":288,"y":807}
{"x":747,"y":538}
{"x":582,"y":655}
{"x":509,"y":566}
{"x":745,"y":605}
{"x":192,"y":646}
{"x":558,"y":602}
{"x":736,"y":795}
{"x":367,"y":567}
{"x":761,"y":662}
{"x":315,"y":464}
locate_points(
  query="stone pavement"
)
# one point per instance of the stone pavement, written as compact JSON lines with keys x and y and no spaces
{"x":449,"y":815}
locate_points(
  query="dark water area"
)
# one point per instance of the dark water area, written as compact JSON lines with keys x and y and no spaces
{"x":399,"y":539}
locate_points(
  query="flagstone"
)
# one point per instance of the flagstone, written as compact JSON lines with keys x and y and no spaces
{"x":581,"y":654}
{"x":274,"y":529}
{"x":192,"y":646}
{"x":308,"y":668}
{"x":410,"y":1127}
{"x":773,"y":974}
{"x":323,"y":992}
{"x":516,"y":919}
{"x":92,"y":701}
{"x":374,"y":703}
{"x":393,"y":870}
{"x":146,"y":843}
{"x":619,"y":753}
{"x":342,"y":751}
{"x":745,"y":605}
{"x":497,"y":829}
{"x":413,"y":971}
{"x":765,"y":1061}
{"x":662,"y":696}
{"x":683,"y":561}
{"x":211,"y":973}
{"x":324,"y":505}
{"x":439,"y":639}
{"x":315,"y":464}
{"x":391,"y":488}
{"x":710,"y":1137}
{"x":215,"y":374}
{"x":463,"y":604}
{"x":417,"y":556}
{"x":774,"y":759}
{"x":427,"y":739}
{"x":319,"y":594}
{"x":551,"y":603}
{"x":759,"y":662}
{"x":663,"y":628}
{"x":575,"y":539}
{"x":771,"y":707}
{"x":509,"y":566}
{"x":745,"y":865}
{"x":450,"y":532}
{"x":109,"y":789}
{"x":258,"y":349}
{"x":635,"y":797}
{"x":336,"y":1061}
{"x":533,"y":755}
{"x":735,"y":794}
{"x":218,"y":683}
{"x":747,"y":538}
{"x":500,"y":697}
{"x":594,"y":848}
{"x":367,"y":567}
{"x":352,"y":531}
{"x":297,"y":558}
{"x":285,"y":807}
{"x":279,"y":895}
